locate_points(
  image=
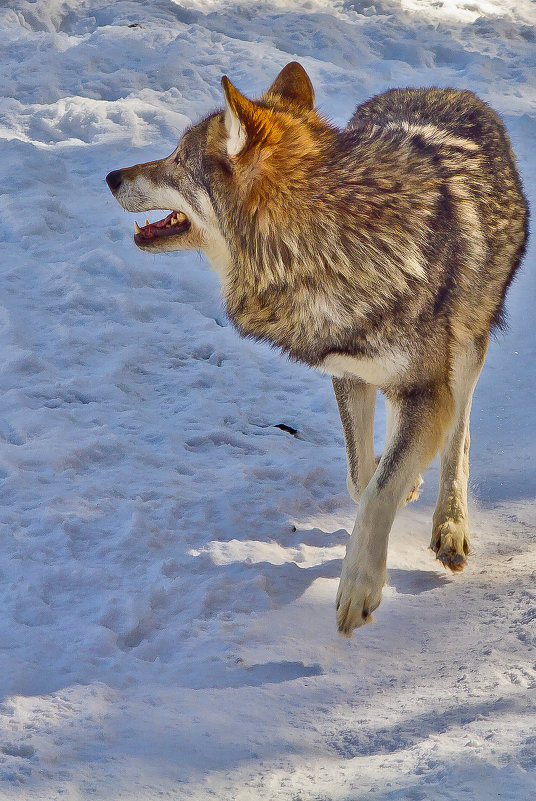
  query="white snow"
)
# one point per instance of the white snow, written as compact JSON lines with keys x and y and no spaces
{"x":169,"y":557}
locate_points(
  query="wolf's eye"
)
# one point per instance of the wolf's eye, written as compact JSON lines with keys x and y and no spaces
{"x":178,"y":160}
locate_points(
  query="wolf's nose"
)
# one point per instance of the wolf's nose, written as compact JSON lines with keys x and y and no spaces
{"x":114,"y":179}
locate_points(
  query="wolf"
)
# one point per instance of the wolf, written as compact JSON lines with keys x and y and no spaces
{"x":380,"y":254}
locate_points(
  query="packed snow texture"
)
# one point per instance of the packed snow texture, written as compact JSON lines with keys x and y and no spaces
{"x":170,"y":554}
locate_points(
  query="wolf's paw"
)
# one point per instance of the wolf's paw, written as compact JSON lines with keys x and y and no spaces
{"x":450,"y":541}
{"x":358,"y":596}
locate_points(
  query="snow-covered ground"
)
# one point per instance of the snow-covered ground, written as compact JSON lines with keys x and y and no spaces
{"x":169,"y":556}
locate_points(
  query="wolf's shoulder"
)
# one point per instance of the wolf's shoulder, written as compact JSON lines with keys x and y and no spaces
{"x":457,"y":111}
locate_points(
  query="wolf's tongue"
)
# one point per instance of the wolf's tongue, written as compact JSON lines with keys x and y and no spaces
{"x":166,"y":221}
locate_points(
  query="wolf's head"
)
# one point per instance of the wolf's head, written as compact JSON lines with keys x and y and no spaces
{"x":242,"y":156}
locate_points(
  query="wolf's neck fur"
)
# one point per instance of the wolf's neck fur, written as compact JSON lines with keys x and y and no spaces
{"x":325,"y":254}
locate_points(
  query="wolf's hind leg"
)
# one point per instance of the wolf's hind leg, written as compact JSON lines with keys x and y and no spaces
{"x":450,"y":532}
{"x":356,"y":401}
{"x":414,"y":492}
{"x":419,"y":421}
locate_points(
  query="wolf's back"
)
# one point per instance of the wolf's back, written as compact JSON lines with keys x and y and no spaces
{"x":466,"y":142}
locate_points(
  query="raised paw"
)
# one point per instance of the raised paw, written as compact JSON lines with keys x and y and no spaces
{"x":450,"y":541}
{"x":357,"y":597}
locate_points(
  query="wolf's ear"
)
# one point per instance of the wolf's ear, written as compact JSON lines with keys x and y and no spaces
{"x":239,"y":115}
{"x":294,"y":85}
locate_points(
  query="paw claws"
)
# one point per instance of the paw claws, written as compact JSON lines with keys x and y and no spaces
{"x":346,"y":627}
{"x":450,"y":542}
{"x":453,"y":561}
{"x":355,"y":603}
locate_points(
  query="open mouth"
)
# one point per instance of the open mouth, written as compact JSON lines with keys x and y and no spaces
{"x":174,"y":224}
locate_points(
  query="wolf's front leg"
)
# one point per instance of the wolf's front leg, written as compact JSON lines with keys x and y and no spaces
{"x":419,"y":419}
{"x":356,"y":401}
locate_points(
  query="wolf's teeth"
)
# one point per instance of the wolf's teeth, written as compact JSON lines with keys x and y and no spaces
{"x":146,"y":222}
{"x":137,"y":228}
{"x":180,"y":216}
{"x":173,"y":221}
